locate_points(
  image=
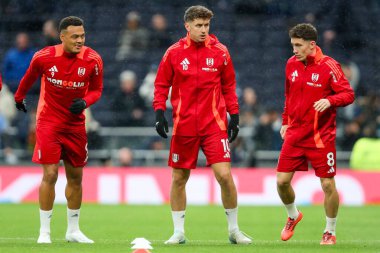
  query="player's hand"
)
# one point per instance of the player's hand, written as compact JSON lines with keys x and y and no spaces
{"x":283,"y":131}
{"x":78,"y":106}
{"x":161,"y":124}
{"x":321,"y":105}
{"x":233,"y":127}
{"x":21,"y":106}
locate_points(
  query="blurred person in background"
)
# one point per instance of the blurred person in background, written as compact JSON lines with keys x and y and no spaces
{"x":200,"y":71}
{"x":16,"y":61}
{"x":159,"y":37}
{"x":125,"y":157}
{"x":72,"y":80}
{"x":314,"y":87}
{"x":50,"y":33}
{"x":134,"y":39}
{"x":127,"y":105}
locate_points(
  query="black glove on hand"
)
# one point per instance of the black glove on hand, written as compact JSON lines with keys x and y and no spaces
{"x":161,"y":124}
{"x":233,"y":127}
{"x":78,"y":106}
{"x":21,"y":106}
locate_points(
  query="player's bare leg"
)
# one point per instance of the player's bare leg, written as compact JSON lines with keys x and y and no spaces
{"x":73,"y":194}
{"x":46,"y":200}
{"x":178,"y":204}
{"x":222,"y":172}
{"x":331,"y":204}
{"x":287,"y":195}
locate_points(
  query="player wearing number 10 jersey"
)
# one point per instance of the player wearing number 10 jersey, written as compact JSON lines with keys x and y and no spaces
{"x":315,"y":86}
{"x":71,"y":80}
{"x":199,"y":70}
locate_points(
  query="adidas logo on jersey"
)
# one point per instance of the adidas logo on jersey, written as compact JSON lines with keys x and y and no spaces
{"x":185,"y":64}
{"x":227,"y":155}
{"x":53,"y":70}
{"x":294,"y":75}
{"x":331,"y":170}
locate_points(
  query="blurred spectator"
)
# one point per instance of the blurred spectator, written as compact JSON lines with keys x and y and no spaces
{"x":16,"y":61}
{"x":133,"y":39}
{"x":128,"y":107}
{"x":50,"y":33}
{"x":125,"y":158}
{"x":159,"y":36}
{"x":351,"y":134}
{"x":267,"y":135}
{"x":95,"y":141}
{"x":249,"y":109}
{"x":146,"y":89}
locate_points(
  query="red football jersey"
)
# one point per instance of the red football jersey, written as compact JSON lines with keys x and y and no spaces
{"x":203,"y":84}
{"x":65,"y":77}
{"x":321,"y":77}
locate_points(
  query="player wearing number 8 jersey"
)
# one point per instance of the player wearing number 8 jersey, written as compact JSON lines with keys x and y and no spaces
{"x":314,"y":87}
{"x":199,"y":70}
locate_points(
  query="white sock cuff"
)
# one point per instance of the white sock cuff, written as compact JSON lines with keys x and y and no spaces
{"x":178,"y":213}
{"x":73,"y":211}
{"x":331,"y":219}
{"x":46,"y":213}
{"x":231,"y":210}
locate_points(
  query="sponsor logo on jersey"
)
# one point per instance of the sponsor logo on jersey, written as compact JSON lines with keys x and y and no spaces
{"x":294,"y":75}
{"x":227,"y":155}
{"x":53,"y":70}
{"x":65,"y":84}
{"x":175,"y":157}
{"x":317,"y":85}
{"x":210,"y":69}
{"x":210,"y":62}
{"x":314,"y":77}
{"x":81,"y":71}
{"x":185,"y":64}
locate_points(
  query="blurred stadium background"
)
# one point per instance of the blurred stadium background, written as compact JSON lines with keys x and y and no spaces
{"x":127,"y":159}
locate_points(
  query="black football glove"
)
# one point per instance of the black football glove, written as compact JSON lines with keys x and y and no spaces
{"x":21,"y":106}
{"x":233,"y":127}
{"x":161,"y":124}
{"x":78,"y":106}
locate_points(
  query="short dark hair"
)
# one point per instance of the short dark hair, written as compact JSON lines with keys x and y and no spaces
{"x":68,"y":21}
{"x":304,"y":31}
{"x":197,"y":11}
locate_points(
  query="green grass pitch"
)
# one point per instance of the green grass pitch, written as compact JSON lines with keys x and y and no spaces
{"x":114,"y":227}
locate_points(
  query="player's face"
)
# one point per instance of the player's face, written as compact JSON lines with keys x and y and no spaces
{"x":198,"y":29}
{"x":302,"y":48}
{"x":73,"y":39}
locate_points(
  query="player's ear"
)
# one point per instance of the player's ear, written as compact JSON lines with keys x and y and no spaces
{"x":62,"y":36}
{"x":187,"y":26}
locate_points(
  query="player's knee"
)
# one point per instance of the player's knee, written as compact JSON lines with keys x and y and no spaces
{"x":74,"y":179}
{"x":224,"y":177}
{"x":179,"y":181}
{"x":282,"y":183}
{"x":50,"y":177}
{"x":328,"y":186}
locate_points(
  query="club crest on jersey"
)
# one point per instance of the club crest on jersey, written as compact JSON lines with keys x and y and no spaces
{"x":175,"y":157}
{"x":81,"y":71}
{"x":210,"y":62}
{"x":314,"y":77}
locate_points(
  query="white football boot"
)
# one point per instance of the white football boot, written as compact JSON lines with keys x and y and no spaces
{"x":176,"y":238}
{"x":44,"y":238}
{"x":77,"y":236}
{"x":239,"y":237}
